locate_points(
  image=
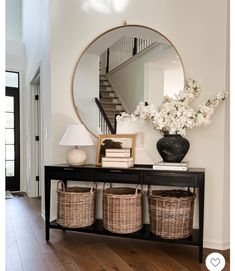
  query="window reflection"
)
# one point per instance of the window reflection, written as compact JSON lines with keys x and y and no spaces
{"x":105,"y":6}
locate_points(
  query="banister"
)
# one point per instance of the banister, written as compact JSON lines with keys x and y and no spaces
{"x":103,"y":114}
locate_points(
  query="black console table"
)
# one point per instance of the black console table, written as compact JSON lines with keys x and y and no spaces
{"x":144,"y":175}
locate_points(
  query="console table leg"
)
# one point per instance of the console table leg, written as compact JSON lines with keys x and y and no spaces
{"x":47,"y":202}
{"x":47,"y":233}
{"x":201,"y":214}
{"x":200,"y":254}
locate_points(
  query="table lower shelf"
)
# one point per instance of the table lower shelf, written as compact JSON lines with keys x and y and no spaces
{"x":144,"y":233}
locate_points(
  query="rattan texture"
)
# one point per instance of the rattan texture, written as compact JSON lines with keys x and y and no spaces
{"x":122,"y":209}
{"x":75,"y":206}
{"x":171,"y":213}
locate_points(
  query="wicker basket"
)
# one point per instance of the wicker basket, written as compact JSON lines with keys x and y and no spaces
{"x":75,"y":206}
{"x":122,"y":209}
{"x":171,"y":213}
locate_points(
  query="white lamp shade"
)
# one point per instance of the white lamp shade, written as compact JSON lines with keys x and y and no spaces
{"x":76,"y":135}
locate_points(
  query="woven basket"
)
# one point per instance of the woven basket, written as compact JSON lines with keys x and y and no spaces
{"x":171,"y":213}
{"x":75,"y":206}
{"x":122,"y":209}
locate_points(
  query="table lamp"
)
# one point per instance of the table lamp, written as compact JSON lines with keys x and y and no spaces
{"x":76,"y":135}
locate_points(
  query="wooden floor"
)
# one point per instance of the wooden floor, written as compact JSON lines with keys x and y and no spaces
{"x":26,"y":248}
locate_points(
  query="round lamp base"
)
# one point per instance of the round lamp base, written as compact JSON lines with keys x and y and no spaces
{"x":76,"y":157}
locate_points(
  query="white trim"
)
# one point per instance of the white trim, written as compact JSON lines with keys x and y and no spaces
{"x":33,"y":185}
{"x":216,"y":244}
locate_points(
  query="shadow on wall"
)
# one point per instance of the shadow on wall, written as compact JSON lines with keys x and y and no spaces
{"x":59,"y":152}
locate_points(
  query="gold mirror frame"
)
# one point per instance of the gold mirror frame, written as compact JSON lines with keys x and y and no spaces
{"x":99,"y":36}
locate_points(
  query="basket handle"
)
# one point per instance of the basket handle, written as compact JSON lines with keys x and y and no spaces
{"x":149,"y":192}
{"x":62,"y":185}
{"x":136,"y":190}
{"x":110,"y":185}
{"x":193,"y":190}
{"x":93,"y":187}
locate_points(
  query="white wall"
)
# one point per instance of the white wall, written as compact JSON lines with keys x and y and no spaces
{"x":202,"y":46}
{"x":36,"y":36}
{"x":154,"y":84}
{"x":130,"y":91}
{"x":14,"y":20}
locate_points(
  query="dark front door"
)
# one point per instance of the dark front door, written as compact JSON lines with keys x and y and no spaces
{"x":12,"y":139}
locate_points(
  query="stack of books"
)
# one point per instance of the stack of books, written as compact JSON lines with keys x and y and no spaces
{"x":119,"y":158}
{"x":182,"y":166}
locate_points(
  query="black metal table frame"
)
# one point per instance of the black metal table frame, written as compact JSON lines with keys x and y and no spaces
{"x":143,"y":175}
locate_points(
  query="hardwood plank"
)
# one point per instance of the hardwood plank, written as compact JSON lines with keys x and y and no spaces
{"x":63,"y":257}
{"x":108,"y":258}
{"x":81,"y":255}
{"x":188,"y":256}
{"x":13,"y":262}
{"x":130,"y":256}
{"x":225,"y":253}
{"x":29,"y":249}
{"x":149,"y":257}
{"x":31,"y":254}
{"x":78,"y":257}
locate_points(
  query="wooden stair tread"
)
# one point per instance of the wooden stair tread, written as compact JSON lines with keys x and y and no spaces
{"x":107,"y":91}
{"x":114,"y":110}
{"x":110,"y":103}
{"x":109,"y":97}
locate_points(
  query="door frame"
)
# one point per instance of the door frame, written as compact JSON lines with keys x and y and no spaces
{"x":13,"y":183}
{"x":35,"y":187}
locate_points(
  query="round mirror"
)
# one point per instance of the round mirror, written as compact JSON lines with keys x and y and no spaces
{"x":119,"y":69}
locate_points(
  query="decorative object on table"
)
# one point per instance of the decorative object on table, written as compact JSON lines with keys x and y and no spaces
{"x":174,"y":117}
{"x":173,"y":148}
{"x":75,"y":206}
{"x":171,"y":213}
{"x":122,"y":209}
{"x":116,"y":145}
{"x":182,"y":166}
{"x":78,"y":136}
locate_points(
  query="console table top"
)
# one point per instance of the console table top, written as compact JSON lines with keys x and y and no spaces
{"x":145,"y":167}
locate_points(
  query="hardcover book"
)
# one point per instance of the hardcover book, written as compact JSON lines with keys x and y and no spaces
{"x":117,"y":164}
{"x":167,"y":164}
{"x":126,"y":150}
{"x":118,"y":153}
{"x":180,"y":168}
{"x":117,"y":159}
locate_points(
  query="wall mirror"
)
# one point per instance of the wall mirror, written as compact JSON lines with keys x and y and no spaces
{"x":119,"y":69}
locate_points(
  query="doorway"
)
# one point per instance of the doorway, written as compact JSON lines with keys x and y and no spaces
{"x":12,"y":132}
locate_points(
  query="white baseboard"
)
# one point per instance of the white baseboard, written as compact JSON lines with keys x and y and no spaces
{"x":28,"y":194}
{"x":43,"y":215}
{"x":215,"y":244}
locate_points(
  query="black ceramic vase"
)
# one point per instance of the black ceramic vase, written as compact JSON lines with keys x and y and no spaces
{"x":173,"y":148}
